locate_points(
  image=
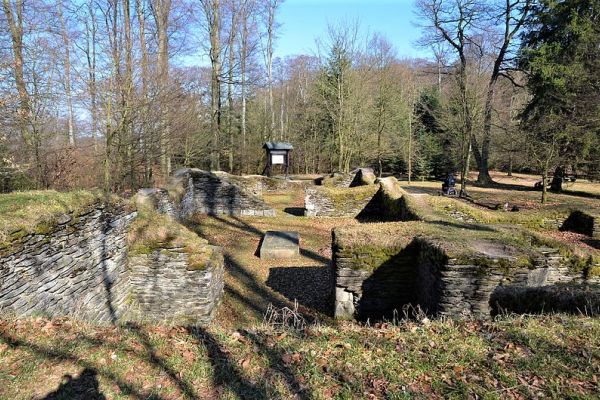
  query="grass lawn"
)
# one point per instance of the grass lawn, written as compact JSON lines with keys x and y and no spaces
{"x":521,"y":357}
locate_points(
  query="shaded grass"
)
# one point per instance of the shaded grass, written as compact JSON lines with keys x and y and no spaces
{"x":511,"y":357}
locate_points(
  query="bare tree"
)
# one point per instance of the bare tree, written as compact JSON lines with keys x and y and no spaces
{"x":161,"y":10}
{"x":270,"y":10}
{"x":67,"y":46}
{"x":14,"y":17}
{"x":470,"y":29}
{"x":212,"y":13}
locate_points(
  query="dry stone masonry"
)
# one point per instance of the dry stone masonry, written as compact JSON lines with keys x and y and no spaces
{"x":167,"y":289}
{"x":466,"y":270}
{"x":584,"y":223}
{"x":321,"y":201}
{"x":81,"y":267}
{"x":372,"y":281}
{"x":214,"y":193}
{"x":77,"y":267}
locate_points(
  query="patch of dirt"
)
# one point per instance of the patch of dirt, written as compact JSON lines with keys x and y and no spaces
{"x":583,"y":242}
{"x":493,"y":250}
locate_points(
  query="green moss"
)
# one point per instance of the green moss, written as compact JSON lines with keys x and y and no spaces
{"x":151,"y":232}
{"x":36,"y":211}
{"x":593,"y":272}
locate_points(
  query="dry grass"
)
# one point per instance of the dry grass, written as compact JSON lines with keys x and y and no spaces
{"x":23,"y":211}
{"x":553,"y":356}
{"x":239,"y":358}
{"x":153,"y":231}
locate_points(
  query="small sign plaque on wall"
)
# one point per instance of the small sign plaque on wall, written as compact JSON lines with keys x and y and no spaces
{"x":277,"y":159}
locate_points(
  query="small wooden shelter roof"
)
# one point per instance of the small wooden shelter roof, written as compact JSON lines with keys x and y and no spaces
{"x":278,"y":146}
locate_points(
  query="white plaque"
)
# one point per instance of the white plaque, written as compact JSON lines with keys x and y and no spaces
{"x":277,"y":159}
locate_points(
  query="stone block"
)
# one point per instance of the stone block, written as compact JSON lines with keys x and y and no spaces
{"x":280,"y":244}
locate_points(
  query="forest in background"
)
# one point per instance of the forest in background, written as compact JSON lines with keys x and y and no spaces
{"x":119,"y":93}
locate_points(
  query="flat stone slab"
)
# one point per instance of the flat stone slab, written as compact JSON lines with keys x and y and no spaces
{"x":280,"y":244}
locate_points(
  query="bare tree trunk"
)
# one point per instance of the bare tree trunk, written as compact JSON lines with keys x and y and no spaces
{"x":545,"y":184}
{"x":231,"y":60}
{"x":270,"y":69}
{"x":410,"y":145}
{"x":111,"y":134}
{"x":15,"y":25}
{"x":213,"y":18}
{"x":91,"y":28}
{"x":161,"y":10}
{"x":272,"y":6}
{"x":145,"y":139}
{"x":282,"y":115}
{"x":243,"y":60}
{"x":67,"y":44}
{"x":128,"y":96}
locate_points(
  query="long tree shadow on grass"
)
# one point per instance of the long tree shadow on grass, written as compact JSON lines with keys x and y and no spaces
{"x":225,"y":372}
{"x":277,"y":363}
{"x":51,"y":353}
{"x":310,"y":286}
{"x":261,"y":296}
{"x":152,"y":357}
{"x":86,"y":386}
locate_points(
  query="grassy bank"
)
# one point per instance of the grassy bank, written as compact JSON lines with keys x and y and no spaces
{"x":531,"y":357}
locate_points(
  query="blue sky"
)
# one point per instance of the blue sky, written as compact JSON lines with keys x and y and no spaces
{"x":305,"y":20}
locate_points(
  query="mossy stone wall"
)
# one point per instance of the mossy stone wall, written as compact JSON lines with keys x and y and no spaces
{"x":372,"y":282}
{"x":217,"y":193}
{"x":80,"y":266}
{"x":338,"y":202}
{"x":76,"y":267}
{"x":582,"y":222}
{"x":164,"y":286}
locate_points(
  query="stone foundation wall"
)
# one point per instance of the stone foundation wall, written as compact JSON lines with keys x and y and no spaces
{"x":334,"y":202}
{"x":159,"y":200}
{"x":166,"y":289}
{"x":80,"y":267}
{"x":581,"y":222}
{"x":337,"y":179}
{"x":392,"y":203}
{"x":209,"y":193}
{"x":76,"y":268}
{"x":363,"y":177}
{"x":258,"y":184}
{"x":584,"y":299}
{"x":373,"y":282}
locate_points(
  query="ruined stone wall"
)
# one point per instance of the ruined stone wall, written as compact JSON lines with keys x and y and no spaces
{"x":371,"y":282}
{"x":337,"y":179}
{"x":336,"y":202}
{"x":259,"y":184}
{"x":581,"y":222}
{"x":209,"y":193}
{"x":81,"y":267}
{"x":77,"y":267}
{"x":165,"y":288}
{"x":392,"y":203}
